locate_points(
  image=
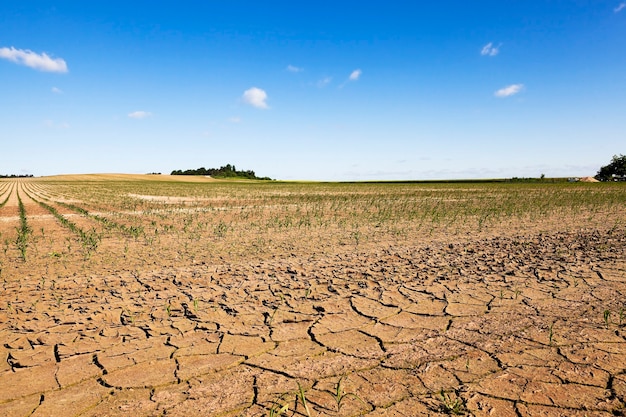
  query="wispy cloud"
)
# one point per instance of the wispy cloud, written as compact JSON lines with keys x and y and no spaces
{"x":292,"y":68}
{"x":324,"y":82}
{"x":490,"y":50}
{"x":234,"y":119}
{"x":40,"y":62}
{"x":355,"y":75}
{"x":256,"y":97}
{"x":140,"y":114}
{"x":56,"y":90}
{"x":509,"y":90}
{"x":620,"y":7}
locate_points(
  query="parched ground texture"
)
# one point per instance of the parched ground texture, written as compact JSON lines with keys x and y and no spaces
{"x":504,"y":323}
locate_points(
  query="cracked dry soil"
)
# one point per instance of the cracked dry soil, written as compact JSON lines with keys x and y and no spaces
{"x":503,"y":326}
{"x":507,"y":325}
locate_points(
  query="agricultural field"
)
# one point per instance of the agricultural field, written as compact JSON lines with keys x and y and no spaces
{"x":169,"y":296}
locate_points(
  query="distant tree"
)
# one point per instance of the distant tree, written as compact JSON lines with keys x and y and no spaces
{"x":614,"y":170}
{"x":227,"y":171}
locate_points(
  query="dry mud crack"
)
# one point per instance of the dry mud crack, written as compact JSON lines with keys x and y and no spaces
{"x":509,"y":326}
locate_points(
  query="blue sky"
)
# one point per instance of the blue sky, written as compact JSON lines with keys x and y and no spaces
{"x":313,"y":90}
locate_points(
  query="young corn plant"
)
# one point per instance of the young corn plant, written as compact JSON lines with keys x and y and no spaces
{"x":279,"y":407}
{"x":339,"y":395}
{"x":301,"y":395}
{"x":133,"y":231}
{"x":89,"y":240}
{"x":24,"y":231}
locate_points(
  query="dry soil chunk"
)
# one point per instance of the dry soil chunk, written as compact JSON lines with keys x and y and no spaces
{"x":145,"y":374}
{"x":26,"y":381}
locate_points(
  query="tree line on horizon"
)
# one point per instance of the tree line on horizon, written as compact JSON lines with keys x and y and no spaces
{"x":614,"y":171}
{"x":17,"y":176}
{"x":226,"y":171}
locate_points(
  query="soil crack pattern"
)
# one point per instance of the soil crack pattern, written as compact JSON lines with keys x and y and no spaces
{"x":506,"y":324}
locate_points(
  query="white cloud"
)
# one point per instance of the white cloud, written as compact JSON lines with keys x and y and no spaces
{"x":354,"y":75}
{"x":139,"y":114}
{"x":56,"y":90}
{"x":255,"y":97}
{"x":234,"y":119}
{"x":41,"y":62}
{"x":509,"y":90}
{"x":619,"y":8}
{"x":490,"y":50}
{"x":292,"y":68}
{"x":324,"y":82}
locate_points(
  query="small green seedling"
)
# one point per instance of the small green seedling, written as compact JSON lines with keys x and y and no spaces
{"x":339,"y":395}
{"x":607,"y":317}
{"x":451,"y":405}
{"x":269,"y":319}
{"x":300,"y":395}
{"x":279,"y":407}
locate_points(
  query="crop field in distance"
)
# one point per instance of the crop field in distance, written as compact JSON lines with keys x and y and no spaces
{"x":166,"y":296}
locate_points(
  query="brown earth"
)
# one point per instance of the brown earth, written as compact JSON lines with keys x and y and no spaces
{"x":504,"y":324}
{"x":129,"y":177}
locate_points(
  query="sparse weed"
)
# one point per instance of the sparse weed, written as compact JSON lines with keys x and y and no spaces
{"x":607,"y":318}
{"x":451,"y":405}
